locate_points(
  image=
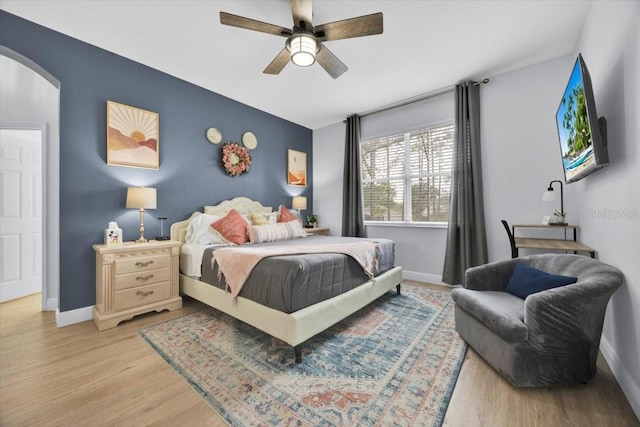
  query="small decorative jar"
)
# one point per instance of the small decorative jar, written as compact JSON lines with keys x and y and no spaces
{"x":113,"y":235}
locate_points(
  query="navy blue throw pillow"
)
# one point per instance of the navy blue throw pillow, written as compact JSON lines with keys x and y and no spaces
{"x":527,"y":280}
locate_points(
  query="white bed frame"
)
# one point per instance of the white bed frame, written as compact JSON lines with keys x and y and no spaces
{"x":293,"y":328}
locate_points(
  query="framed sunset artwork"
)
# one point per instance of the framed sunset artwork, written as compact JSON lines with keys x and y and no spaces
{"x":132,"y":136}
{"x":297,"y":168}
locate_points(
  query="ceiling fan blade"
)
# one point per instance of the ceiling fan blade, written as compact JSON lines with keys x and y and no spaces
{"x":330,"y":62}
{"x":302,"y":14}
{"x":366,"y":25}
{"x":278,"y":62}
{"x":252,"y":24}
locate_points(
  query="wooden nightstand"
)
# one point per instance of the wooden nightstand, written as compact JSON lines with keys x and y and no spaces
{"x":318,"y":231}
{"x":135,"y":278}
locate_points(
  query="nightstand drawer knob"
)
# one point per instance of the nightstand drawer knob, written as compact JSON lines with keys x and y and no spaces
{"x":144,"y":264}
{"x":143,"y":293}
{"x":145,"y":277}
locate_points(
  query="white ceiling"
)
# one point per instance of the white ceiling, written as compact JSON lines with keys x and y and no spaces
{"x":426,"y":45}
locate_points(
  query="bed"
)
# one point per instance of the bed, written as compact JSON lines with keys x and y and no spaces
{"x":289,"y":324}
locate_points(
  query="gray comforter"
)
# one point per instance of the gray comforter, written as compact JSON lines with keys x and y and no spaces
{"x":290,"y":283}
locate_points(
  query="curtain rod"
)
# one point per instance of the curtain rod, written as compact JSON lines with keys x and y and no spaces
{"x":417,"y":98}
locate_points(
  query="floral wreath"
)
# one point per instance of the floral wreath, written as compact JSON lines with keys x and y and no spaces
{"x":235,"y":159}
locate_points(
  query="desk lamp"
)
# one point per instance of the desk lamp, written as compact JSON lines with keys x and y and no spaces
{"x":141,"y":198}
{"x":550,"y":196}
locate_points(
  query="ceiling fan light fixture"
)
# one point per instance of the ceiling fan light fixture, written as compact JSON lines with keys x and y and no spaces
{"x":305,"y":42}
{"x":303,"y":48}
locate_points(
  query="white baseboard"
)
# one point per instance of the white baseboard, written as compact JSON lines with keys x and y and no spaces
{"x":629,"y":386}
{"x":422,"y":277}
{"x":51,"y":304}
{"x":66,"y":318}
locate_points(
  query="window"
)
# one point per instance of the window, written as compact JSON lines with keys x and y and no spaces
{"x":406,"y":178}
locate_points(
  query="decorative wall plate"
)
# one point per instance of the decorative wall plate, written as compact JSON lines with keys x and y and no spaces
{"x":214,"y":136}
{"x":249,"y":140}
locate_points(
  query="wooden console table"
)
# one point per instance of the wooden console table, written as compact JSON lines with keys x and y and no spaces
{"x":553,"y":244}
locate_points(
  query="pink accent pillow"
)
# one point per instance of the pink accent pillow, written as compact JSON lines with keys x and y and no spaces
{"x":286,"y":215}
{"x":232,"y":227}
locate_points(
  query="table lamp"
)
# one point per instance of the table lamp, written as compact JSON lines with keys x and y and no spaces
{"x":299,"y":203}
{"x":141,"y":198}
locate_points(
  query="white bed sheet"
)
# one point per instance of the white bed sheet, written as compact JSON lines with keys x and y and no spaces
{"x":191,"y":258}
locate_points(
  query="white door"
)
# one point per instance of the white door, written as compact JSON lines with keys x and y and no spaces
{"x":20,"y":213}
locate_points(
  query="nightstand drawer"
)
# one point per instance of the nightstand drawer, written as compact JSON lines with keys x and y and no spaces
{"x":135,"y":264}
{"x":141,"y":295}
{"x":141,"y":278}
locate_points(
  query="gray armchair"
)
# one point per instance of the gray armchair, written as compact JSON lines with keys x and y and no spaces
{"x":551,"y":337}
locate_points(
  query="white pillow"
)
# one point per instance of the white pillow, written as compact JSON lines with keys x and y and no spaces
{"x":200,"y":231}
{"x":263,"y":218}
{"x":275,"y":232}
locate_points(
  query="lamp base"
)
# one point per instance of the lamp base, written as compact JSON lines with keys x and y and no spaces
{"x":162,"y":238}
{"x":142,"y":240}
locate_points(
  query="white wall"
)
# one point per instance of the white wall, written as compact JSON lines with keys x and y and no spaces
{"x":520,"y":155}
{"x":420,"y":251}
{"x":608,"y":202}
{"x":29,"y":99}
{"x":520,"y":149}
{"x":328,"y":162}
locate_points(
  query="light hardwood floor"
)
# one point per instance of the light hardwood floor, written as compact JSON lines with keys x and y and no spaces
{"x":77,"y":376}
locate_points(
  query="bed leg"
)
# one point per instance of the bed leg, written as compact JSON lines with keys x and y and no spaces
{"x":297,"y":350}
{"x":398,"y":289}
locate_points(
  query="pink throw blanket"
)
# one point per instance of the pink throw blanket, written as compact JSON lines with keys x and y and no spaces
{"x":236,"y":263}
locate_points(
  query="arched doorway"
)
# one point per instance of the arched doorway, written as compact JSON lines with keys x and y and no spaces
{"x":30,"y":100}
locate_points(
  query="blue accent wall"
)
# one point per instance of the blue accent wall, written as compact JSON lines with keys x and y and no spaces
{"x":92,"y":193}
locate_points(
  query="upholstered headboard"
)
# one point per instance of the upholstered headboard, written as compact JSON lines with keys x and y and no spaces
{"x":244,"y":205}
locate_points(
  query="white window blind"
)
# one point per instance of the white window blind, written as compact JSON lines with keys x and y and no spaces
{"x":407,"y":177}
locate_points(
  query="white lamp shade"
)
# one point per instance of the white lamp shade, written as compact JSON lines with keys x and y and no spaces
{"x":549,"y":196}
{"x":303,"y":50}
{"x":299,"y":202}
{"x":141,"y":198}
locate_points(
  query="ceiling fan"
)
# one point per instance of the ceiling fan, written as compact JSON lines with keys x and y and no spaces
{"x":304,"y":44}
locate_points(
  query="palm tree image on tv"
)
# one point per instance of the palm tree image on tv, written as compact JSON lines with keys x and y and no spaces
{"x":574,"y":128}
{"x":576,"y":122}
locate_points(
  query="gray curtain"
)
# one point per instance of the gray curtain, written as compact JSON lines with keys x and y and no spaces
{"x":466,"y":235}
{"x":352,"y":210}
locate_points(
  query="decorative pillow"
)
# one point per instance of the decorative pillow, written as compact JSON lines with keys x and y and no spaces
{"x":286,"y":215}
{"x":232,"y":227}
{"x":527,"y":280}
{"x":213,"y":210}
{"x":275,"y":232}
{"x":259,"y":218}
{"x":199,"y":230}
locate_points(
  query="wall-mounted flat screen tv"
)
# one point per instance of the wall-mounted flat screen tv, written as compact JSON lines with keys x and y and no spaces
{"x":582,"y":135}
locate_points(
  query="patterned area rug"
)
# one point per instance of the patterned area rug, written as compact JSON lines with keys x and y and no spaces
{"x":395,"y":362}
